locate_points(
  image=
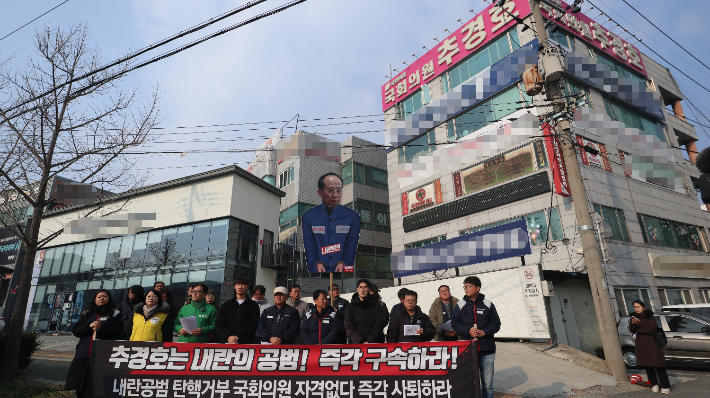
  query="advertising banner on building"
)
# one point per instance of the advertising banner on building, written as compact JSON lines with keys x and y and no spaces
{"x":503,"y":241}
{"x":559,"y":171}
{"x":485,"y":27}
{"x":503,"y":168}
{"x":596,"y":35}
{"x":599,"y":160}
{"x":534,"y":301}
{"x":422,"y":197}
{"x":151,"y":369}
{"x":9,"y":246}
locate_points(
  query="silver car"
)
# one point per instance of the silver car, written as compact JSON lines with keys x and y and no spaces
{"x":688,"y":338}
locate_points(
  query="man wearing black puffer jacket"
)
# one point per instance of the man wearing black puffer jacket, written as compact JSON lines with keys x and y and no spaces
{"x":475,"y":317}
{"x":410,"y":315}
{"x":365,"y":318}
{"x":238,"y":318}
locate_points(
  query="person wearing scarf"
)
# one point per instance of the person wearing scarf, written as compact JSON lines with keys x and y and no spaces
{"x":149,"y":317}
{"x":100,"y":321}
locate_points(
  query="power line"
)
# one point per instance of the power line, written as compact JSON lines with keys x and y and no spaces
{"x":664,"y":33}
{"x":10,"y":34}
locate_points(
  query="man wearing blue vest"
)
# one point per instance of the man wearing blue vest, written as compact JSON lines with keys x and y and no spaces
{"x":475,"y":317}
{"x":330,"y":231}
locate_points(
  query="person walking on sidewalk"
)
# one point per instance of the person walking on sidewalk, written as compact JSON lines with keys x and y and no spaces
{"x":475,"y":317}
{"x":648,"y":354}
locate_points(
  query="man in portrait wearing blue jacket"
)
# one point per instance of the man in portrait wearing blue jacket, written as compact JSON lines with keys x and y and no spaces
{"x":330,"y":231}
{"x":475,"y":317}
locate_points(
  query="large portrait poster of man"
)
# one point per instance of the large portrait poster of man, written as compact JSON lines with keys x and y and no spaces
{"x":330,"y":230}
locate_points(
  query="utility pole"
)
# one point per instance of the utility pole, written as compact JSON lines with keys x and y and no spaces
{"x":550,"y":60}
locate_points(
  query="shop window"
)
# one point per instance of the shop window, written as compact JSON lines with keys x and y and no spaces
{"x":705,"y":295}
{"x":413,"y":103}
{"x":634,"y":119}
{"x":480,"y":60}
{"x":373,"y":216}
{"x":286,"y":177}
{"x":537,"y":226}
{"x":615,"y":218}
{"x":675,"y":296}
{"x":660,"y":232}
{"x":424,"y":242}
{"x":625,"y":298}
{"x":485,"y":113}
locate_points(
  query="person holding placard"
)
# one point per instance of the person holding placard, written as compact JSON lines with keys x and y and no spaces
{"x":198,"y":316}
{"x":410,"y":325}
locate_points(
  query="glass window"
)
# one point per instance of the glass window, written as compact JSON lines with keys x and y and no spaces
{"x":93,"y":285}
{"x":359,"y":173}
{"x":379,"y":178}
{"x":425,"y":242}
{"x":197,"y":276}
{"x":215,"y":280}
{"x":57,"y":263}
{"x":414,"y":103}
{"x":615,"y":218}
{"x":134,"y":280}
{"x":127,"y":247}
{"x":634,"y":119}
{"x":120,"y":283}
{"x":218,"y":238}
{"x":347,"y":172}
{"x":100,"y":254}
{"x":200,"y":241}
{"x":373,"y":216}
{"x":113,"y":253}
{"x":660,"y":232}
{"x":76,"y":258}
{"x":416,"y":148}
{"x":683,"y":324}
{"x":537,"y":226}
{"x":140,"y":245}
{"x":152,"y":249}
{"x":167,"y":251}
{"x":87,"y":257}
{"x":183,"y":243}
{"x":148,"y":281}
{"x":48,"y":260}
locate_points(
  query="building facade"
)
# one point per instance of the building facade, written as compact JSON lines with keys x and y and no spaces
{"x":468,"y":152}
{"x":362,"y":165}
{"x":204,"y":228}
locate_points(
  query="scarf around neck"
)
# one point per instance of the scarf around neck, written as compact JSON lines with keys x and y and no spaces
{"x":149,"y":311}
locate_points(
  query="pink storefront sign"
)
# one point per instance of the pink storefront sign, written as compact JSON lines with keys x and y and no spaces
{"x":593,"y":33}
{"x":485,"y":27}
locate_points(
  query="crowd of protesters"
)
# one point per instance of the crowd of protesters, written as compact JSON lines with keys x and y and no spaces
{"x":153,"y":316}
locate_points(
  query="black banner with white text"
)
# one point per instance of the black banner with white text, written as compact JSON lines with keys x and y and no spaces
{"x":182,"y":370}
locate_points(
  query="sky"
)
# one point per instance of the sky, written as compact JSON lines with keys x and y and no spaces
{"x":323,"y":60}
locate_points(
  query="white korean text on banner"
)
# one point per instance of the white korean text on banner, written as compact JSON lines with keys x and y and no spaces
{"x":152,"y":369}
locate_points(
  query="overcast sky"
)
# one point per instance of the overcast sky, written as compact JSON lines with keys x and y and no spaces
{"x":320,"y":59}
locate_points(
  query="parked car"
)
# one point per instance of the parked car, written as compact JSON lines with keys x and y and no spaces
{"x":688,"y":338}
{"x":696,"y":309}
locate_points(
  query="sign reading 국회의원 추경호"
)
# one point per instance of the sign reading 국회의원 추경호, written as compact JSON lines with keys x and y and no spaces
{"x":470,"y":37}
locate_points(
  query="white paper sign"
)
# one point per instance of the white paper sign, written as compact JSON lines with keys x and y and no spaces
{"x":446,"y":326}
{"x":535,"y":304}
{"x":411,"y":330}
{"x":189,"y":323}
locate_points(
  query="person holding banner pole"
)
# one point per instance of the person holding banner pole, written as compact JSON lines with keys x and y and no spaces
{"x":320,"y":324}
{"x":339,"y":305}
{"x":476,"y":318}
{"x":365,"y":318}
{"x":100,"y":321}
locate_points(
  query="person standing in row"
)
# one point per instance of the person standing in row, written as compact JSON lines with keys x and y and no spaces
{"x":365,"y":318}
{"x":169,"y":325}
{"x":440,"y":313}
{"x":238,"y":318}
{"x":411,"y":315}
{"x":159,"y":286}
{"x":279,"y":324}
{"x":212,"y":299}
{"x":101,"y":320}
{"x":148,"y":318}
{"x":295,"y":300}
{"x":339,"y":305}
{"x":189,"y":294}
{"x":259,"y":297}
{"x":134,"y":297}
{"x":320,"y":324}
{"x":475,"y":317}
{"x":204,"y":314}
{"x":399,"y":307}
{"x":648,"y":354}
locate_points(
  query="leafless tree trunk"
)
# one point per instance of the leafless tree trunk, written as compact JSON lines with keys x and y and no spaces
{"x":81,"y":130}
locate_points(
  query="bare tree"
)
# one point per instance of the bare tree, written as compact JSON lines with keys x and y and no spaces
{"x":83,"y":129}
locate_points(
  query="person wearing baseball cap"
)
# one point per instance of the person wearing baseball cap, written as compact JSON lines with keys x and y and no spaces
{"x":279,"y":324}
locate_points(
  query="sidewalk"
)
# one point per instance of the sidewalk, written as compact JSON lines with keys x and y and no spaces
{"x":523,"y":371}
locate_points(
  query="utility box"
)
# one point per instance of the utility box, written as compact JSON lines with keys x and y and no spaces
{"x":547,"y":289}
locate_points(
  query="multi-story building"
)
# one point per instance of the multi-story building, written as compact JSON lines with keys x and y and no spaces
{"x":468,"y":153}
{"x":362,"y":165}
{"x":200,"y":228}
